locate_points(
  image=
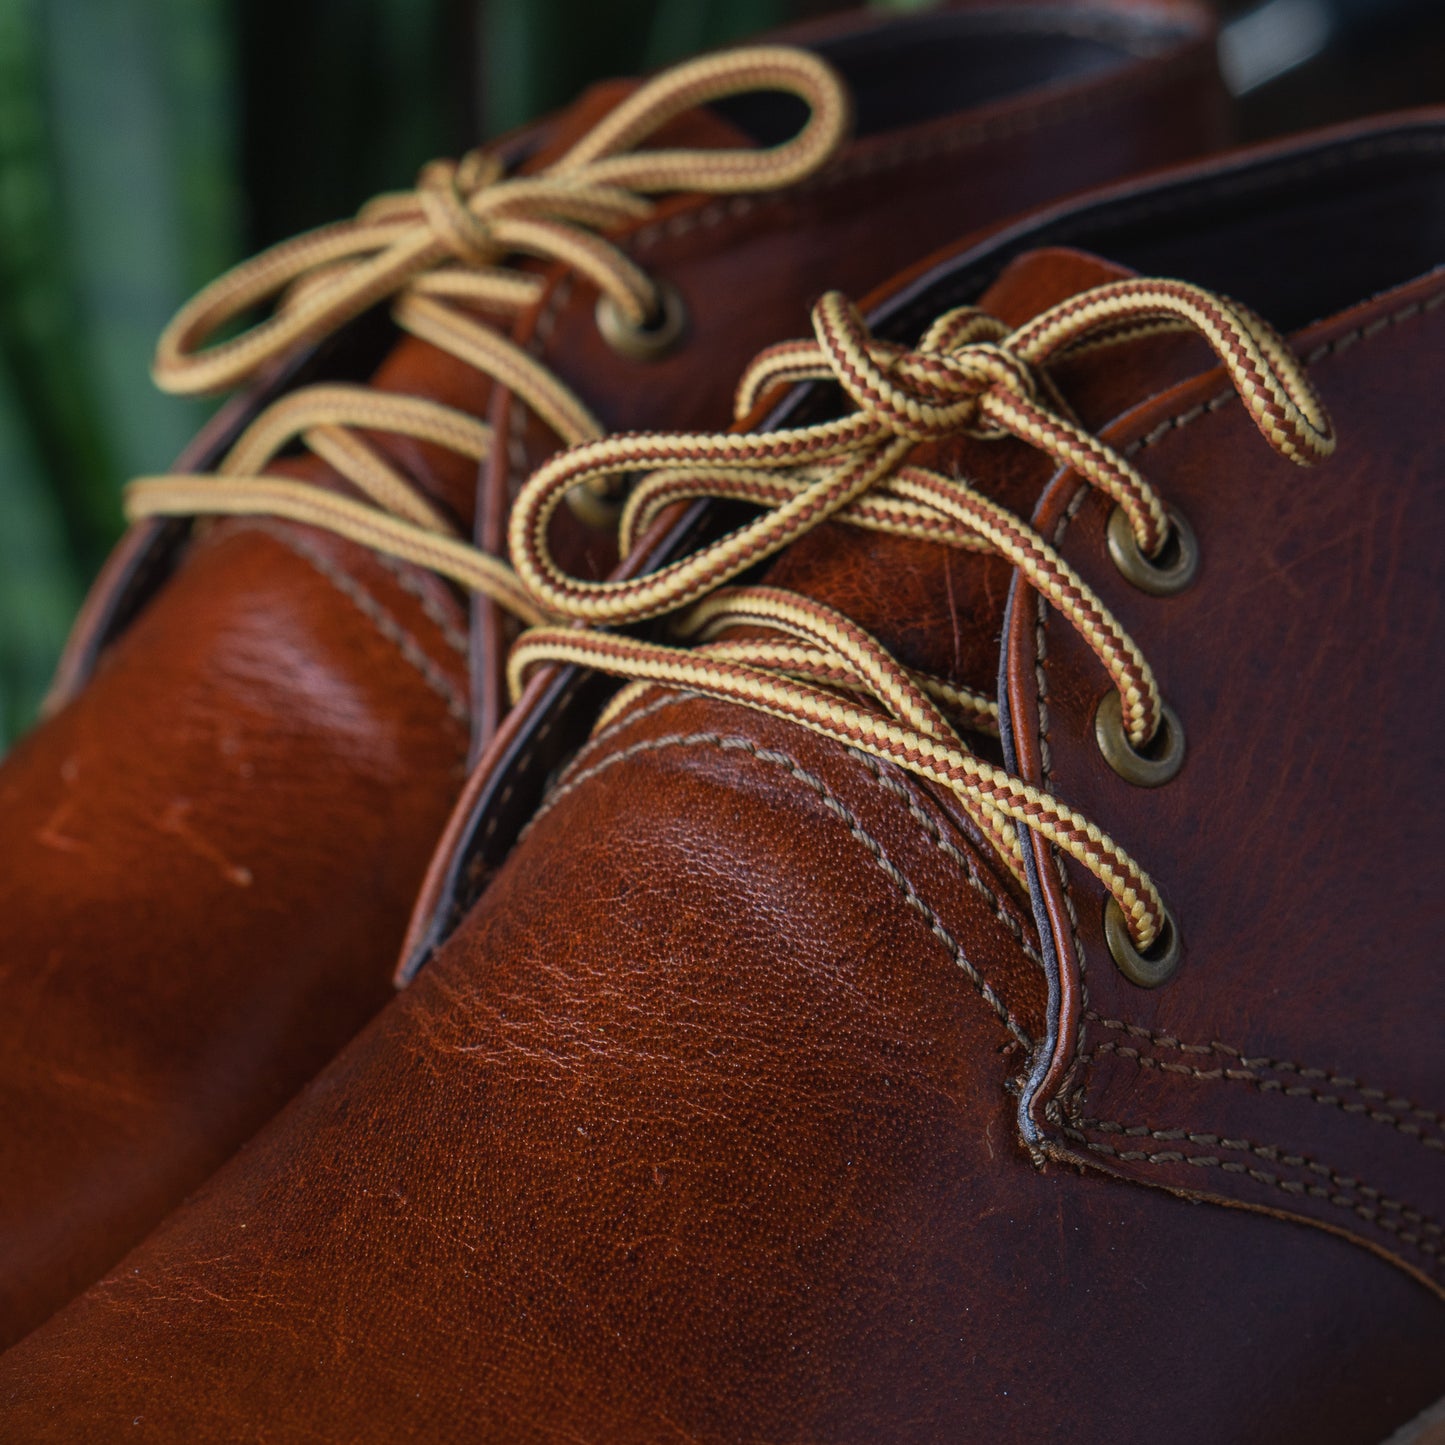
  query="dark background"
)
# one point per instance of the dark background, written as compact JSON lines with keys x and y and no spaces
{"x":147,"y":144}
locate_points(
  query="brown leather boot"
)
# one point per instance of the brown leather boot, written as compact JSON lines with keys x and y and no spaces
{"x":802,"y":1071}
{"x":211,"y":846}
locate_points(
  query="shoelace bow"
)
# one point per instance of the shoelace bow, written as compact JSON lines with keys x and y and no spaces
{"x":441,"y":250}
{"x":969,"y":374}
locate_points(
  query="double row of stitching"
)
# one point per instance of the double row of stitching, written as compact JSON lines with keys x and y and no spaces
{"x":954,"y":854}
{"x":890,"y":783}
{"x":1321,"y":1086}
{"x":1409,"y":1225}
{"x":410,"y":650}
{"x":727,"y":743}
{"x":867,"y":162}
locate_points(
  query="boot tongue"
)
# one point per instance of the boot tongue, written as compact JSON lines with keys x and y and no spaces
{"x":940,"y":609}
{"x":416,"y":368}
{"x":1039,"y":279}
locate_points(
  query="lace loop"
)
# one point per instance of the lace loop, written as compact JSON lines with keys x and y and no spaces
{"x":453,"y":240}
{"x":968,"y":374}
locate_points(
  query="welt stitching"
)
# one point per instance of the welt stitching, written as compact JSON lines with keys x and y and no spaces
{"x":895,"y":786}
{"x":384,"y":623}
{"x":407,"y":580}
{"x":840,"y":810}
{"x":1340,"y":343}
{"x":1343,"y":1191}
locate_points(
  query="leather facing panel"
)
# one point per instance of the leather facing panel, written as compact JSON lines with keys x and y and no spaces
{"x":1293,"y":1063}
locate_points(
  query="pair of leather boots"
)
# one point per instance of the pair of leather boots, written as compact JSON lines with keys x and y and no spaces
{"x":909,"y":905}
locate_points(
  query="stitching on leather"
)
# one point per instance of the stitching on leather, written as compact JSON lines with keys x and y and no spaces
{"x":840,"y":810}
{"x":907,"y":152}
{"x":384,"y":623}
{"x":554,"y":715}
{"x":1267,"y":177}
{"x":1343,"y":1191}
{"x":597,"y":741}
{"x":1067,"y":1085}
{"x":892,"y":785}
{"x":1376,"y":1105}
{"x":956,"y":856}
{"x":409,"y":583}
{"x":1329,"y":348}
{"x":1069,"y":1089}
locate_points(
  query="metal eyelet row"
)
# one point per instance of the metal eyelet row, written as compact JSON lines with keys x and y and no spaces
{"x":1164,"y":576}
{"x":654,"y":339}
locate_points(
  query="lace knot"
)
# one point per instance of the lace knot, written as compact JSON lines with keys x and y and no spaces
{"x":445,"y":190}
{"x":925,"y":394}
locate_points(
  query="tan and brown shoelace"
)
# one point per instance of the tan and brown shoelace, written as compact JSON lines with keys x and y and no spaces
{"x":446,"y":254}
{"x":817,"y":668}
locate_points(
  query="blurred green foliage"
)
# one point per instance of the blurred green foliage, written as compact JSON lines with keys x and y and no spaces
{"x":147,"y":144}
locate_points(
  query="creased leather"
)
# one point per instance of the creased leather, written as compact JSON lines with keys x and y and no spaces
{"x":704,"y":1124}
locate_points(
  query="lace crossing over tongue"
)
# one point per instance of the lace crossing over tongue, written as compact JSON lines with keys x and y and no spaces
{"x":973,"y":375}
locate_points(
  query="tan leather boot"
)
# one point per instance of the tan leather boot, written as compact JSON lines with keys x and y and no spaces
{"x":849,"y":1051}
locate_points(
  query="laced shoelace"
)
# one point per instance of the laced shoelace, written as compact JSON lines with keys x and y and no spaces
{"x":444,"y":253}
{"x":969,"y":374}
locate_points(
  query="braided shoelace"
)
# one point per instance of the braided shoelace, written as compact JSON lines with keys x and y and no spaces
{"x":443,"y":253}
{"x":969,"y":374}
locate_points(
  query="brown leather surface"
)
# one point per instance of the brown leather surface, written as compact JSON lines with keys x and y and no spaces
{"x":700,"y":1130}
{"x":210,"y":850}
{"x":705,"y":1124}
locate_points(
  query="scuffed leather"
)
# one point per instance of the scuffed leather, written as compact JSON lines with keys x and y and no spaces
{"x":704,"y":1125}
{"x":700,"y":1129}
{"x":209,"y":852}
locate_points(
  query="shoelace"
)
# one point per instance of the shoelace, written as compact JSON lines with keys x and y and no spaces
{"x":969,"y":374}
{"x":441,"y":250}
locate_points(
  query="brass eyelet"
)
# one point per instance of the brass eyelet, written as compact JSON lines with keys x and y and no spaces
{"x":1148,"y":970}
{"x":655,"y":337}
{"x":1144,"y":770}
{"x":1175,"y":568}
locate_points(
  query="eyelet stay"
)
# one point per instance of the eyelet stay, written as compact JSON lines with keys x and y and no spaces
{"x":1164,"y":578}
{"x":1140,"y":769}
{"x":655,"y":337}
